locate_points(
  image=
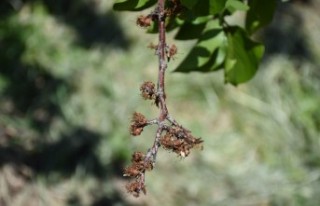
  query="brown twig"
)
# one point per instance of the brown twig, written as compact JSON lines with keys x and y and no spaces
{"x":160,"y":93}
{"x":170,"y":134}
{"x":162,"y":61}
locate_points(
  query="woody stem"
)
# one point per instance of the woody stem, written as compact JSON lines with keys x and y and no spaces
{"x":161,"y":96}
{"x":162,"y":61}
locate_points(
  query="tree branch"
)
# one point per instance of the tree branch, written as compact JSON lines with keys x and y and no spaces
{"x":162,"y":61}
{"x":170,"y":134}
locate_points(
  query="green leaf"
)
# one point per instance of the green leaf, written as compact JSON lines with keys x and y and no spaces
{"x":133,"y":5}
{"x":201,"y":8}
{"x":260,"y":14}
{"x":220,"y":56}
{"x":217,"y":6}
{"x":189,"y":3}
{"x":215,"y":62}
{"x":190,"y":31}
{"x":201,"y":19}
{"x":243,"y":56}
{"x":193,"y":29}
{"x":204,"y":54}
{"x":236,"y":5}
{"x":153,"y":28}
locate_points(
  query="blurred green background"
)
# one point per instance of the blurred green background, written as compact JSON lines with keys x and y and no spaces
{"x":70,"y":73}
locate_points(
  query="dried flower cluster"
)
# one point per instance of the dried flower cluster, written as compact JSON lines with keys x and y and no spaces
{"x":170,"y":135}
{"x":137,"y":124}
{"x":180,"y":141}
{"x":144,"y":21}
{"x":148,"y":90}
{"x":173,"y":50}
{"x":137,"y":169}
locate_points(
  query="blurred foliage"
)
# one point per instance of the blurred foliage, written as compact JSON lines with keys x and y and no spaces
{"x":70,"y":72}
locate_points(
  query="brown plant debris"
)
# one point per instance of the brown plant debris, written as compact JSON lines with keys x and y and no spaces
{"x":180,"y":141}
{"x":139,"y":164}
{"x":148,"y":90}
{"x":136,"y":187}
{"x":171,"y":52}
{"x":144,"y":21}
{"x":138,"y":122}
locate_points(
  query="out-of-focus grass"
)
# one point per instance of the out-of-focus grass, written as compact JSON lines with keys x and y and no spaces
{"x":261,"y":138}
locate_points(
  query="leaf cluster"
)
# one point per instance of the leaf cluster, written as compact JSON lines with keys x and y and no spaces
{"x":218,"y":44}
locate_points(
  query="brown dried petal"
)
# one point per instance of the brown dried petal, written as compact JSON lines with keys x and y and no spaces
{"x":138,"y":122}
{"x":135,"y":130}
{"x":139,"y":119}
{"x":148,"y":90}
{"x":173,"y":50}
{"x":135,"y":188}
{"x":148,"y":165}
{"x":137,"y":157}
{"x":131,"y":171}
{"x":144,"y":21}
{"x":179,"y":140}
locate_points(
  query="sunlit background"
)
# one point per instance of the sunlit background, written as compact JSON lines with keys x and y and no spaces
{"x":70,"y":73}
